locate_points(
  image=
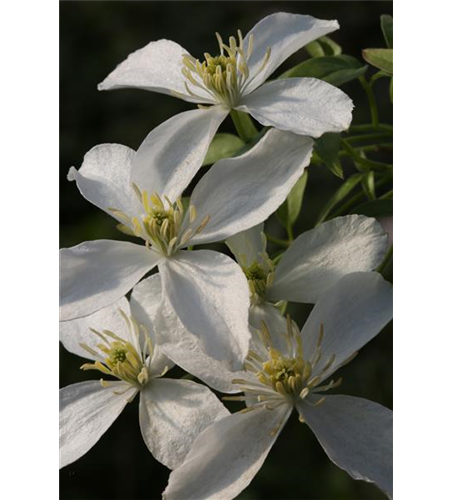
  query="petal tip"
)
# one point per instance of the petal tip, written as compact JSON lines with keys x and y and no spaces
{"x":72,"y":174}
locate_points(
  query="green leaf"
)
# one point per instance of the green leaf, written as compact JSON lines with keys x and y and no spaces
{"x":378,"y":75}
{"x":247,"y":146}
{"x":368,"y":183}
{"x":327,"y":149}
{"x":323,"y":46}
{"x":339,"y":195}
{"x":223,"y":146}
{"x":391,"y":84}
{"x":330,"y":47}
{"x":335,"y":70}
{"x":289,"y":211}
{"x":375,"y":208}
{"x":380,"y":58}
{"x":411,"y":61}
{"x":386,"y":27}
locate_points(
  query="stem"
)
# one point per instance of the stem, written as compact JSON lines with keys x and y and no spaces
{"x":374,"y":148}
{"x":386,"y":261}
{"x":244,"y":125}
{"x":376,"y":165}
{"x":278,"y":258}
{"x":386,"y":196}
{"x":277,"y":241}
{"x":289,"y":232}
{"x":354,"y":199}
{"x":367,"y":127}
{"x":371,"y":99}
{"x":369,"y":137}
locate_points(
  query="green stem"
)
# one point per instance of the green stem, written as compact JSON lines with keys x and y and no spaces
{"x":278,"y":258}
{"x":354,"y":199}
{"x":367,"y":127}
{"x":373,"y":148}
{"x":289,"y":232}
{"x":386,"y":261}
{"x":369,"y":137}
{"x":371,"y":99}
{"x":277,"y":241}
{"x":386,"y":196}
{"x":365,"y":162}
{"x":244,"y":125}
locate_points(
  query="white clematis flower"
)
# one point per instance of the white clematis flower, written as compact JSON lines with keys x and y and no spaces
{"x":355,"y":433}
{"x":315,"y":261}
{"x":172,"y":412}
{"x":235,"y":78}
{"x":204,"y":292}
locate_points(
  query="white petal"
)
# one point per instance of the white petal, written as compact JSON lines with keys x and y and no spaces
{"x":248,"y":246}
{"x":285,"y":34}
{"x":357,"y":436}
{"x":204,"y":314}
{"x":156,"y":67}
{"x":104,"y":178}
{"x":87,"y":410}
{"x":276,"y":323}
{"x":320,"y":257}
{"x":225,"y":457}
{"x":186,"y":350}
{"x":352,"y":313}
{"x":173,"y":413}
{"x":239,"y":193}
{"x":172,"y":153}
{"x":77,"y":331}
{"x":144,"y":303}
{"x":95,"y":274}
{"x":305,"y":106}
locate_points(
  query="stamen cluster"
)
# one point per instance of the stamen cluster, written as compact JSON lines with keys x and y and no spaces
{"x":280,"y":378}
{"x":161,"y":226}
{"x":225,"y":76}
{"x":260,"y":277}
{"x":122,"y":359}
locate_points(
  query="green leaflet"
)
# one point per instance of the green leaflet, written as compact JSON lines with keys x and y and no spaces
{"x":289,"y":211}
{"x":327,"y":149}
{"x":368,"y":184}
{"x":376,"y":208}
{"x":223,"y":146}
{"x":323,"y":46}
{"x":386,"y":28}
{"x":411,"y":61}
{"x":339,"y":195}
{"x":335,"y":70}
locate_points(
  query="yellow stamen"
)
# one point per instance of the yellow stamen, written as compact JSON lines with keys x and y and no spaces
{"x":223,"y":77}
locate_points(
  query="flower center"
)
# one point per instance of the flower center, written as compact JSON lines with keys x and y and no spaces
{"x":259,"y":277}
{"x":281,"y":379}
{"x":225,"y":76}
{"x":122,"y":359}
{"x":161,"y":224}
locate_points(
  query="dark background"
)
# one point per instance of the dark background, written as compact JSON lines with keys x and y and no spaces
{"x":94,"y":38}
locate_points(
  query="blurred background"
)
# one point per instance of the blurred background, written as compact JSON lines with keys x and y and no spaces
{"x":95,"y":36}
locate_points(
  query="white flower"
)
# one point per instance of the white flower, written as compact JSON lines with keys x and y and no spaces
{"x":355,"y":433}
{"x":204,"y":292}
{"x":172,"y":412}
{"x":315,"y":261}
{"x":235,"y":78}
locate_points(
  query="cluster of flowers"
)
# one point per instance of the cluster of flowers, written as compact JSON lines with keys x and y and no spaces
{"x":218,"y":318}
